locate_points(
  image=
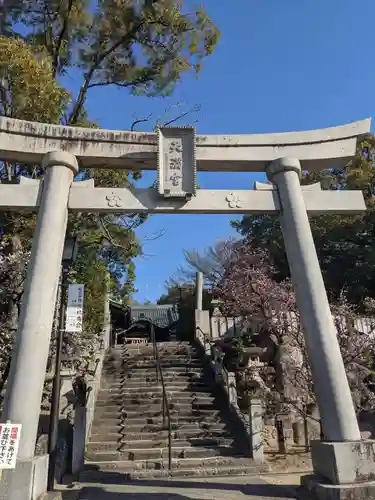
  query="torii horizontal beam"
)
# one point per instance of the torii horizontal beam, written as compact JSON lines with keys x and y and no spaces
{"x":28,"y":142}
{"x":84,"y":197}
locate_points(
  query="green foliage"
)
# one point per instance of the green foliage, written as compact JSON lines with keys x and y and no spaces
{"x":144,"y":47}
{"x":93,"y":273}
{"x":27,"y":87}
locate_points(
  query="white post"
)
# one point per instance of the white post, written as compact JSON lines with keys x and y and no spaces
{"x":330,"y":382}
{"x":30,"y":353}
{"x":199,"y":291}
{"x":107,"y":314}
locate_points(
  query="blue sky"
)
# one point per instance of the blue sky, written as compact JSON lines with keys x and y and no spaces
{"x":281,"y":65}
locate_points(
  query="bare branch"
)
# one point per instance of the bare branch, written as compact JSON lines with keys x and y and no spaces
{"x":195,"y":109}
{"x":156,"y":236}
{"x":108,"y":235}
{"x":140,"y":120}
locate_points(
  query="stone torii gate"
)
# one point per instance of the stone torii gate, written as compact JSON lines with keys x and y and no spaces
{"x":177,"y":153}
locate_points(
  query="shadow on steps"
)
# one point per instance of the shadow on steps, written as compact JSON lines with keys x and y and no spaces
{"x":115,"y":487}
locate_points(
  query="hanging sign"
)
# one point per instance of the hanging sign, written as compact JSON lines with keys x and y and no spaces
{"x":74,"y":309}
{"x":9,"y":442}
{"x":176,"y":162}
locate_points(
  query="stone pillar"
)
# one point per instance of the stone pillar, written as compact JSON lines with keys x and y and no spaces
{"x":330,"y":381}
{"x":107,"y":315}
{"x":79,"y":439}
{"x":199,"y":291}
{"x":30,"y":353}
{"x":232,"y":389}
{"x":216,"y":321}
{"x":256,"y":429}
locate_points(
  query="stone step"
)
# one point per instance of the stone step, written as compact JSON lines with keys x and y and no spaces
{"x":162,"y":347}
{"x":156,"y":420}
{"x":140,"y":369}
{"x":165,"y":355}
{"x":110,"y":435}
{"x":153,"y":385}
{"x":142,"y":408}
{"x":167,"y":375}
{"x":149,"y":351}
{"x":159,"y":442}
{"x":138,"y":366}
{"x":121,"y":388}
{"x":185,"y":411}
{"x":172,"y":391}
{"x":175,"y":370}
{"x":166,"y":364}
{"x":157,"y":453}
{"x":169,"y":378}
{"x":121,"y":381}
{"x":151,"y":370}
{"x":154,"y":404}
{"x":153,"y":382}
{"x":208,"y":467}
{"x":167,"y":343}
{"x":156,"y":399}
{"x":128,"y":435}
{"x":154,"y":412}
{"x":181,"y":427}
{"x":148,"y":354}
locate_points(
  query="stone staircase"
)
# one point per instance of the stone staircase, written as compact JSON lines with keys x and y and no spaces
{"x":127,"y":437}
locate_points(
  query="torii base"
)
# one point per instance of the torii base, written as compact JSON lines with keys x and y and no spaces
{"x":28,"y":481}
{"x":315,"y":488}
{"x":342,"y":471}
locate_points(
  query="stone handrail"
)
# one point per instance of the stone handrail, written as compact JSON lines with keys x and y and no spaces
{"x":84,"y":415}
{"x":251,"y":424}
{"x":93,"y":385}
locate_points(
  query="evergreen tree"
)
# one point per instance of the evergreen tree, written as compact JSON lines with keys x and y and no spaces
{"x":142,"y":47}
{"x":345,"y":244}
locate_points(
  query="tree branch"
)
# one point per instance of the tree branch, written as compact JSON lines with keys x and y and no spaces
{"x":98,"y":59}
{"x":109,"y":237}
{"x":194,"y":109}
{"x":60,"y":39}
{"x":140,"y":120}
{"x":156,"y":236}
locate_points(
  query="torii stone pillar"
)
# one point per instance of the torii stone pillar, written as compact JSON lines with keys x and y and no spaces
{"x":330,"y":382}
{"x":30,"y":354}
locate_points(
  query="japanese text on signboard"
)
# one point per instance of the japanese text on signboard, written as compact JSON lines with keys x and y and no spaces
{"x":74,"y":310}
{"x":9,"y":441}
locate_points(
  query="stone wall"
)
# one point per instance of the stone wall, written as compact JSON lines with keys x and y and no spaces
{"x":70,"y":428}
{"x":251,"y":423}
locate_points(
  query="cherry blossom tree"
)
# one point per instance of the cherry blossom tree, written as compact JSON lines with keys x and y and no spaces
{"x":13,"y":261}
{"x":269,"y":308}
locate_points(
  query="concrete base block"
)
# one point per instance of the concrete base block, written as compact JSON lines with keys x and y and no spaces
{"x":28,"y":481}
{"x":344,"y":463}
{"x":315,"y":488}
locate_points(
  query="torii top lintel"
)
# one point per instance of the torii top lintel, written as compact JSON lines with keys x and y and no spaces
{"x":27,"y":142}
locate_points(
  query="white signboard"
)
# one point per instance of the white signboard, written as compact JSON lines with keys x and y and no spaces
{"x":9,"y":441}
{"x":74,"y":309}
